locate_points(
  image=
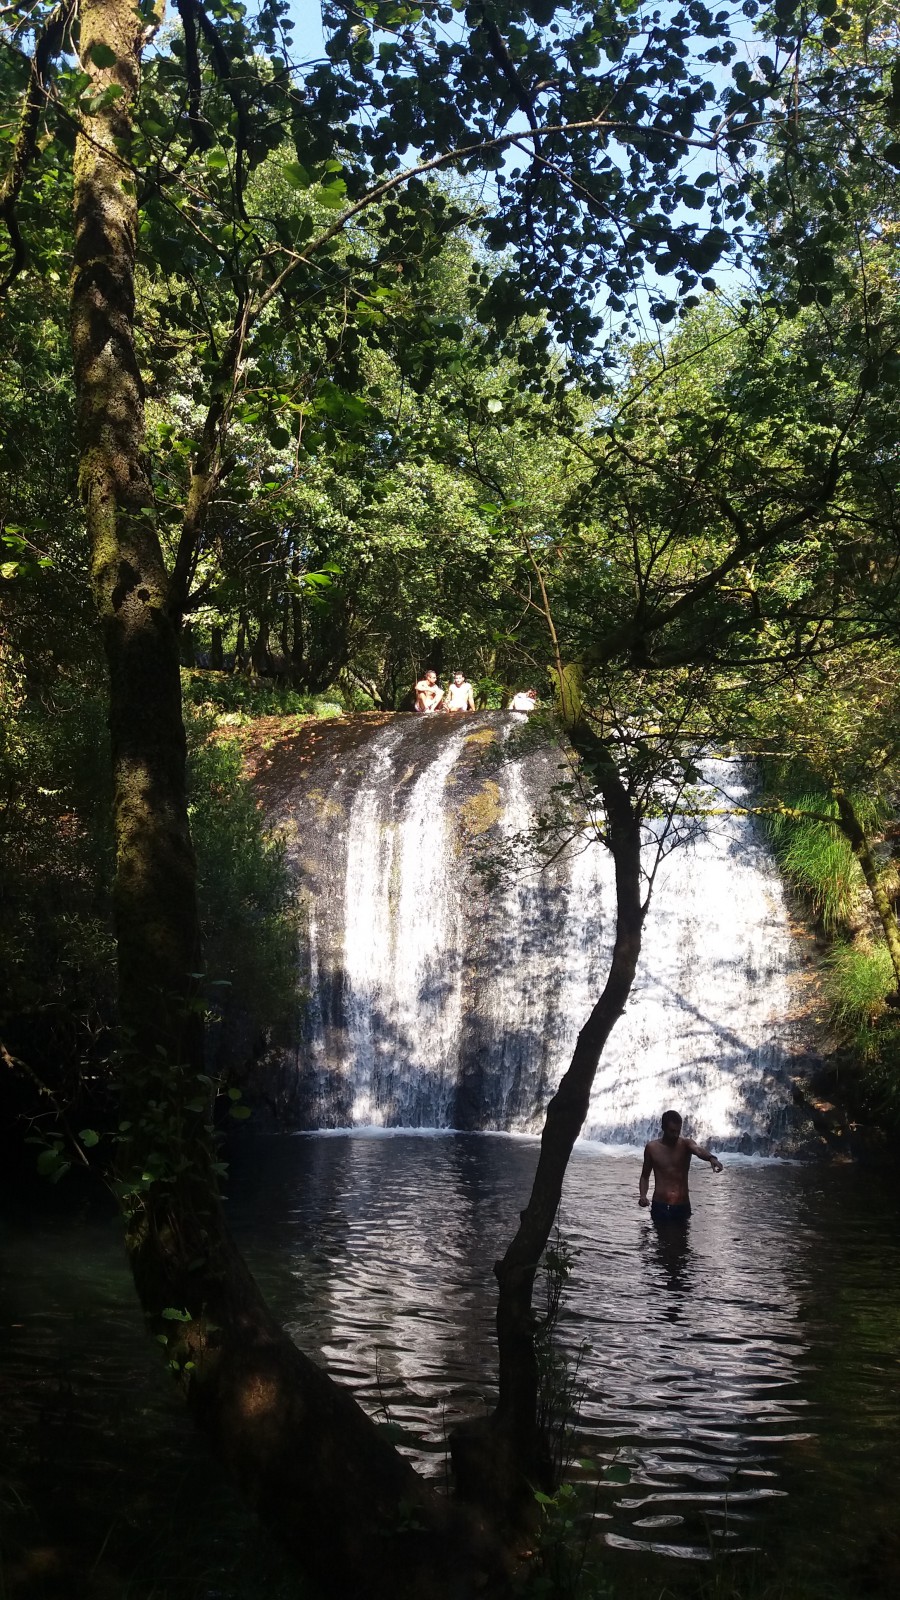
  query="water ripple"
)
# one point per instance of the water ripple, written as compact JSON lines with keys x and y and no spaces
{"x":723,"y":1366}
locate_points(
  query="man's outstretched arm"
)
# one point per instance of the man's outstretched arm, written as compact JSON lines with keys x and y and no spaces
{"x":705,"y":1155}
{"x":644,"y":1184}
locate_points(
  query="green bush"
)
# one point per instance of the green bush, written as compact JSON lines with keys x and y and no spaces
{"x":226,"y":691}
{"x":249,"y":927}
{"x":818,"y":861}
{"x":56,"y":951}
{"x":858,"y":981}
{"x":858,"y":976}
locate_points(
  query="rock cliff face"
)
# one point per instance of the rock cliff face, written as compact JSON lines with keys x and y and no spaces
{"x":428,"y":999}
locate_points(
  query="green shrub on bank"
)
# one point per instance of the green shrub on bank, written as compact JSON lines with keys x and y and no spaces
{"x":254,"y":697}
{"x":249,"y":930}
{"x":57,"y":950}
{"x":858,"y":980}
{"x":817,"y":859}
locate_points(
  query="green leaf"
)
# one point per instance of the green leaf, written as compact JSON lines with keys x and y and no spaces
{"x":333,"y":195}
{"x":296,"y":175}
{"x":616,"y":1474}
{"x":240,"y":1113}
{"x":102,"y":55}
{"x":89,"y":1137}
{"x":216,"y":160}
{"x":172,"y":1314}
{"x":48,"y":1161}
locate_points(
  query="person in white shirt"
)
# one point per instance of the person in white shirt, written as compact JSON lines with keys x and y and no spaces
{"x":525,"y":700}
{"x":459,"y":696}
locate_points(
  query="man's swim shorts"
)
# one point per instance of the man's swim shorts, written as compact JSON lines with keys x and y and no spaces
{"x":661,"y":1211}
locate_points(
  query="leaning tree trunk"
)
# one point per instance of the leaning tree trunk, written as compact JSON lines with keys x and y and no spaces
{"x":308,"y":1458}
{"x":855,"y":834}
{"x":499,"y":1464}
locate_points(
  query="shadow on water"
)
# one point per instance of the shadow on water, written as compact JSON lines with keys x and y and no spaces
{"x":106,"y":1493}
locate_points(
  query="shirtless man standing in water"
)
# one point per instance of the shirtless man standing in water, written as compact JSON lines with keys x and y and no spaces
{"x":668,"y":1159}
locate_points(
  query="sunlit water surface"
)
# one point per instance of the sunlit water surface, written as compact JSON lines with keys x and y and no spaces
{"x":745,"y":1372}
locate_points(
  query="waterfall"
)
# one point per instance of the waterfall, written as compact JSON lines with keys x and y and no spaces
{"x":402,"y":940}
{"x":430,"y":1000}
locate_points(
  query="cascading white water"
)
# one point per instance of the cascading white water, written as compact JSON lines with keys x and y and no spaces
{"x":402,"y":938}
{"x":706,"y":1025}
{"x":433,"y":1002}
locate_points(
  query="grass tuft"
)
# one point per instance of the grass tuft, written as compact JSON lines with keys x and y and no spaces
{"x":858,"y":981}
{"x":817,"y":858}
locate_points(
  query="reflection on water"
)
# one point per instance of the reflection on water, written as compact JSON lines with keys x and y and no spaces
{"x":744,"y":1369}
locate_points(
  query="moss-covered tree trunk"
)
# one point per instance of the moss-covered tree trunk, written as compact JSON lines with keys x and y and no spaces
{"x":155,"y":899}
{"x":855,"y":834}
{"x":313,"y":1464}
{"x":501,"y":1463}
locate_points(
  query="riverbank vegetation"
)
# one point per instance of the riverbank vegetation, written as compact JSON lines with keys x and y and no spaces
{"x":559,"y":341}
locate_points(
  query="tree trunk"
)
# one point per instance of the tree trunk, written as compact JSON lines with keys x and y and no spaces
{"x":313,"y":1464}
{"x":259,"y":652}
{"x":853,"y":831}
{"x":500,"y":1464}
{"x":154,"y":897}
{"x":240,"y":643}
{"x":216,"y":652}
{"x":188,"y":647}
{"x":297,"y":634}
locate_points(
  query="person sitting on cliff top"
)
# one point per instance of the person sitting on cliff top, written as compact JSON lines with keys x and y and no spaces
{"x":429,"y":693}
{"x":459,"y":696}
{"x":668,"y":1159}
{"x":525,"y":700}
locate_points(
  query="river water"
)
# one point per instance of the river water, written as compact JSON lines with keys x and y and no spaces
{"x":745,"y":1374}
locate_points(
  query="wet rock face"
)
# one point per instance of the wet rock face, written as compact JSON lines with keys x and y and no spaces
{"x":428,"y":999}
